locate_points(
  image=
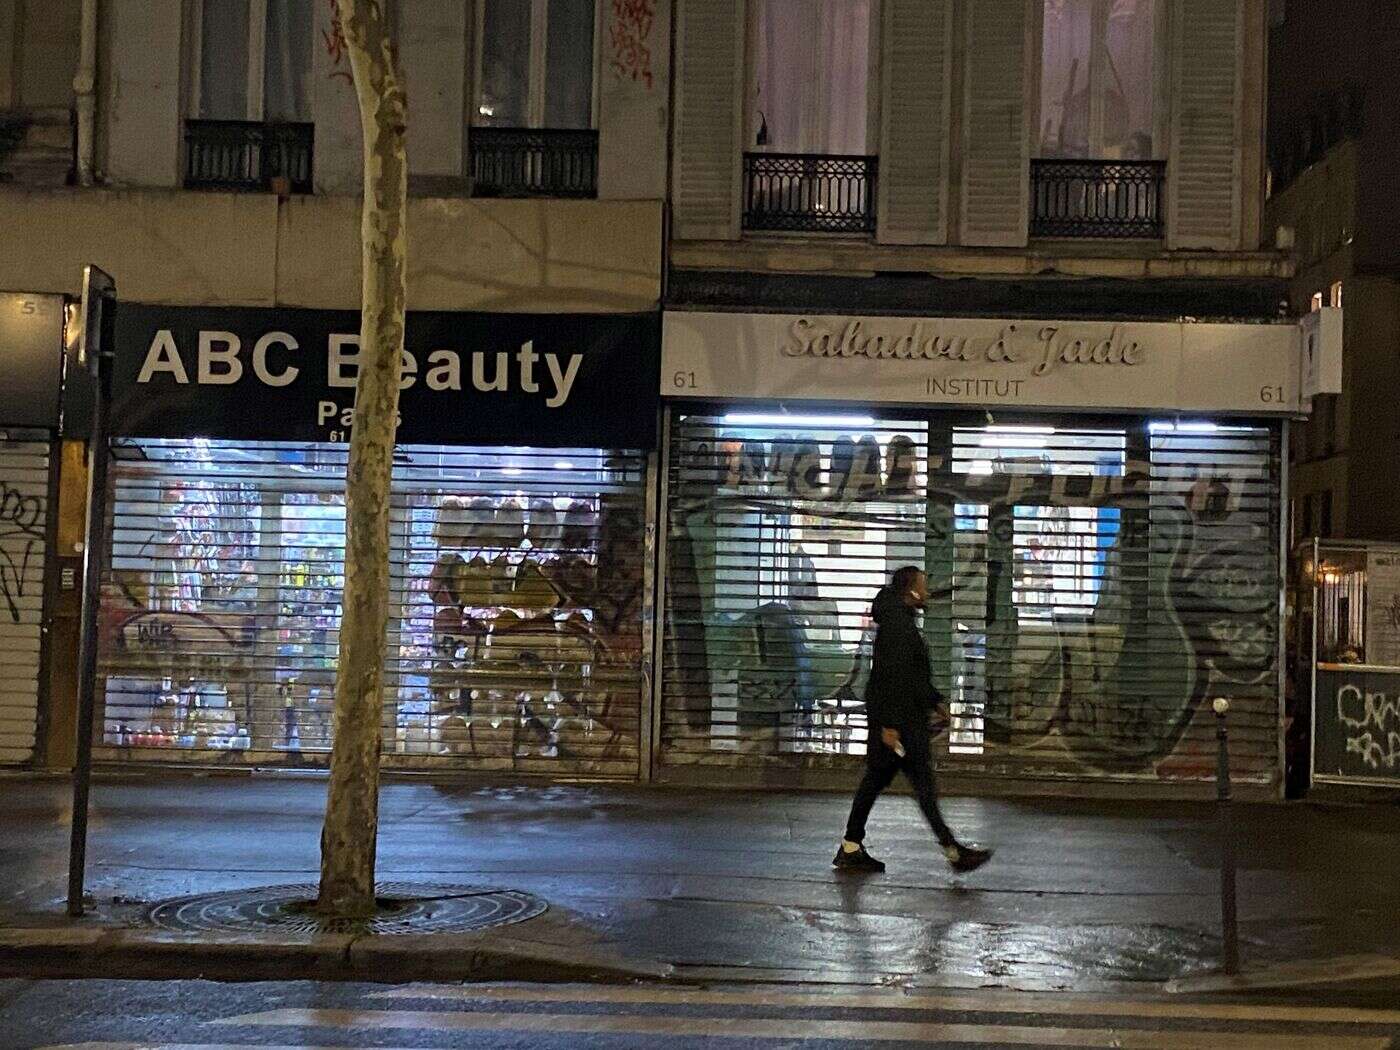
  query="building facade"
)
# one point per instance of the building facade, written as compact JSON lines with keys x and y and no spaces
{"x":1333,"y":158}
{"x":224,"y":152}
{"x":980,"y":286}
{"x":938,"y":280}
{"x":1333,"y":162}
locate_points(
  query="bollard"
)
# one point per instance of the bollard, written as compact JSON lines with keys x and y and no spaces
{"x":1229,"y":918}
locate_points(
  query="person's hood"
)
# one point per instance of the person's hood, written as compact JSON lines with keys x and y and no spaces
{"x":887,"y":605}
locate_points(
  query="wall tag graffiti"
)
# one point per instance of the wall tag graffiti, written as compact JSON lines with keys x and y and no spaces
{"x":629,"y":32}
{"x":21,"y":533}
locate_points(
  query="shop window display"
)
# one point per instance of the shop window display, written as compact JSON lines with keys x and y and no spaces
{"x":1094,"y":583}
{"x":1048,"y":557}
{"x":515,"y":634}
{"x":782,"y":528}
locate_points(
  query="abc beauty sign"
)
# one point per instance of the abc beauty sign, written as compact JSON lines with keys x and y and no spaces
{"x":466,"y":378}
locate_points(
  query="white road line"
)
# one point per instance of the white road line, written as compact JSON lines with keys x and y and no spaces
{"x":1292,"y":975}
{"x":211,"y":1046}
{"x":1055,"y":1003}
{"x":765,"y":1028}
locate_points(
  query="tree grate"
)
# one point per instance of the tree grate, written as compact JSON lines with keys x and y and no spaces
{"x":404,"y":908}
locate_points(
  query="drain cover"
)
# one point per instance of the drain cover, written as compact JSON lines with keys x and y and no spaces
{"x":405,"y":907}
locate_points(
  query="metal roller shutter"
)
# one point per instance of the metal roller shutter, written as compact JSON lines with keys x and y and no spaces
{"x":779,"y":533}
{"x":515,"y":630}
{"x":1095,"y":585}
{"x":24,"y":499}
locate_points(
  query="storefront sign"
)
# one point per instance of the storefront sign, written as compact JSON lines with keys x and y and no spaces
{"x":31,"y":355}
{"x":977,"y":362}
{"x":467,"y":378}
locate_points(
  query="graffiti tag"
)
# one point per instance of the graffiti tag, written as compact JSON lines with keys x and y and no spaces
{"x":630,"y":32}
{"x":20,"y":534}
{"x":1358,"y":710}
{"x":336,"y":46}
{"x":1377,"y":754}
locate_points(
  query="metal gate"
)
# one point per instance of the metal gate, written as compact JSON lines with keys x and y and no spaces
{"x":515,"y":639}
{"x":1095,"y":584}
{"x":24,"y":499}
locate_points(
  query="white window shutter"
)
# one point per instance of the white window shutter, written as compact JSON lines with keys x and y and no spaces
{"x":1204,"y":171}
{"x":996,"y":157}
{"x":709,"y":118}
{"x":912,"y":199}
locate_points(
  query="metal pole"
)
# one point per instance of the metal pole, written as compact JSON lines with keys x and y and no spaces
{"x":1228,"y":914}
{"x":93,"y":547}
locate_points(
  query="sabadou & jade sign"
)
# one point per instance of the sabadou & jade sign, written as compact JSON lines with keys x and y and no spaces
{"x":975,"y":362}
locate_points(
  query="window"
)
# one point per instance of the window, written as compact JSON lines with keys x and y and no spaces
{"x":1324,"y":424}
{"x":1317,"y":301}
{"x":810,"y":76}
{"x":1057,"y":553}
{"x":1100,"y":74}
{"x":1336,"y":296}
{"x":254,"y":60}
{"x":535,"y":64}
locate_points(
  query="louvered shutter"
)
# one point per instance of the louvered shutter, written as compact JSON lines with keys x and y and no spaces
{"x":709,"y":101}
{"x":913,"y":193}
{"x":996,"y":158}
{"x":1205,"y":188}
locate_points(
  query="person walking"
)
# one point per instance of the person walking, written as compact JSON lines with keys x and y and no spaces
{"x":898,"y":700}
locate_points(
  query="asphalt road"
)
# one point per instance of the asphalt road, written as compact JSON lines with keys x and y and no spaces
{"x":182,"y":1015}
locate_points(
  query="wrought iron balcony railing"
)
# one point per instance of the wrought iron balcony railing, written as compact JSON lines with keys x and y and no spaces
{"x":248,"y":155}
{"x":1097,"y":198}
{"x":809,"y":192}
{"x":529,"y":162}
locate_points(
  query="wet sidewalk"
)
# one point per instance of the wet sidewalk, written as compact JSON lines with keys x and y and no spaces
{"x":739,"y":886}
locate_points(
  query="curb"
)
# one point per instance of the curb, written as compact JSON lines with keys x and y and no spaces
{"x":68,"y":953}
{"x":1344,"y":969}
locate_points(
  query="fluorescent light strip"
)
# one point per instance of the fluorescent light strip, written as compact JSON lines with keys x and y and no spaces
{"x":1185,"y":428}
{"x":759,"y":419}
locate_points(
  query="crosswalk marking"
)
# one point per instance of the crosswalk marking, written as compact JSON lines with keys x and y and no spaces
{"x":1057,"y":1004}
{"x":769,"y":1028}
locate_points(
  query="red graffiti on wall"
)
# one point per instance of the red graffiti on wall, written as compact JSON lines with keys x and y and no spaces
{"x":632,"y":21}
{"x":336,"y":47}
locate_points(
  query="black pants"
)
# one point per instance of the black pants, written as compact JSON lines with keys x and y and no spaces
{"x":881,"y":764}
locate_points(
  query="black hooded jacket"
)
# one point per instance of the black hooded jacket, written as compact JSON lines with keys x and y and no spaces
{"x":900,"y":691}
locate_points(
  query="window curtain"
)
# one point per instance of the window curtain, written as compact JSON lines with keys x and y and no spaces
{"x":1064,"y":82}
{"x":223,"y":60}
{"x":568,"y":89}
{"x":1120,"y":80}
{"x":504,"y":99}
{"x":1130,"y":91}
{"x":812,"y":71}
{"x":288,"y":61}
